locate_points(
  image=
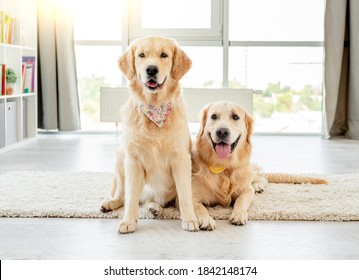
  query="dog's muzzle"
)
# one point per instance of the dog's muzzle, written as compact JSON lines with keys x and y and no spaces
{"x":152,"y":77}
{"x":153,"y":85}
{"x":222,"y":148}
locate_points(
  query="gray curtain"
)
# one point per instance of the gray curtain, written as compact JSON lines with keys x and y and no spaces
{"x":58,"y":99}
{"x":341,"y":71}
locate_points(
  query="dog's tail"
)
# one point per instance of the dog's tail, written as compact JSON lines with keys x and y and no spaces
{"x":291,"y":179}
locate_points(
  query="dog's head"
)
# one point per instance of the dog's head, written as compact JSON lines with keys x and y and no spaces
{"x":225,"y":132}
{"x":154,"y":63}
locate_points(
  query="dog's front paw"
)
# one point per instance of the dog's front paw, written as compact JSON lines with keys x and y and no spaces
{"x":111,"y":205}
{"x":206,"y":223}
{"x":239,"y":218}
{"x":191,"y":225}
{"x":126,"y":227}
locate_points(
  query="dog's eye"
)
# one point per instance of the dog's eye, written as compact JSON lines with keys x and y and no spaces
{"x":214,"y":117}
{"x":235,"y":117}
{"x":164,"y":55}
{"x":142,"y":55}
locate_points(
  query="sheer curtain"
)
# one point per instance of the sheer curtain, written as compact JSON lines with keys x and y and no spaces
{"x":58,"y":95}
{"x":341,"y":70}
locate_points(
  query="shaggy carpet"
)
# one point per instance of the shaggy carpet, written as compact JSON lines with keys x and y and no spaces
{"x":80,"y":194}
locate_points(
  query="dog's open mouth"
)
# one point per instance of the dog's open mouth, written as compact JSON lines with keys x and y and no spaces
{"x":153,"y":85}
{"x":222,"y":149}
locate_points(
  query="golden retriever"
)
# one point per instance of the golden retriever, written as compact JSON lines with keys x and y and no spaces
{"x":155,"y":164}
{"x":222,"y":173}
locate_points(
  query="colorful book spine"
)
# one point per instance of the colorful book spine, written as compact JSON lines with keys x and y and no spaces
{"x":3,"y":79}
{"x":23,"y":68}
{"x":7,"y":28}
{"x":28,"y":74}
{"x":2,"y":27}
{"x":11,"y":31}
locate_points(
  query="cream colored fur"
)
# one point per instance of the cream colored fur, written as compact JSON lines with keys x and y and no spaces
{"x":234,"y":183}
{"x":239,"y":181}
{"x":155,"y":165}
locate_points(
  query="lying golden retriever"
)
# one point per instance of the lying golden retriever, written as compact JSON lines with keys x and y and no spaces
{"x":155,"y":165}
{"x":222,"y":173}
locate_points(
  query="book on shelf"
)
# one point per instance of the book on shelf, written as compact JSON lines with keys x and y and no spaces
{"x":23,"y":68}
{"x":2,"y":27}
{"x":3,"y":78}
{"x":28,"y":74}
{"x":7,"y":28}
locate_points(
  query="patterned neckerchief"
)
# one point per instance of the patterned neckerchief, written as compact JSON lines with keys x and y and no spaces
{"x":157,"y":114}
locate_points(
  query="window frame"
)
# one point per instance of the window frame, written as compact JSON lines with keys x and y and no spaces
{"x":182,"y":34}
{"x":218,"y":35}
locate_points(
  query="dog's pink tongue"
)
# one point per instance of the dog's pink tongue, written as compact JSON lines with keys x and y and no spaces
{"x":152,"y":84}
{"x":223,"y":150}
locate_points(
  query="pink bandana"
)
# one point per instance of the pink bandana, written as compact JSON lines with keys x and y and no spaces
{"x":157,"y":114}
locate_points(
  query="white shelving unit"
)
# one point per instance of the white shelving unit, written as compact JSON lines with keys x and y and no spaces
{"x":18,"y":112}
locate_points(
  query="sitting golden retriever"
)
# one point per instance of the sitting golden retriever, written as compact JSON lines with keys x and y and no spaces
{"x":221,"y":170}
{"x":155,"y":165}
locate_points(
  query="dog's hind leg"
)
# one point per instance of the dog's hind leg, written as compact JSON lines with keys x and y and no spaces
{"x":259,"y":183}
{"x":118,"y":195}
{"x":154,"y":210}
{"x":118,"y":187}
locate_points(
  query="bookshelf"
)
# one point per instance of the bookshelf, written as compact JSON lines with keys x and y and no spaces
{"x":18,"y":49}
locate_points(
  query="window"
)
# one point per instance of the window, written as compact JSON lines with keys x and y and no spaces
{"x":157,"y":17}
{"x":275,"y":46}
{"x":276,"y":20}
{"x":98,"y":21}
{"x":290,"y":78}
{"x":184,"y":18}
{"x":96,"y":67}
{"x":207,"y":70}
{"x":98,"y":46}
{"x":256,"y":67}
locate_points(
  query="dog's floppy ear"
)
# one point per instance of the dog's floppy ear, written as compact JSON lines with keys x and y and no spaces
{"x":203,"y":116}
{"x":127,"y":63}
{"x":249,"y":127}
{"x":181,"y":63}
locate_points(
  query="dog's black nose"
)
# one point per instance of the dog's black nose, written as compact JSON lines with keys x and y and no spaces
{"x":222,"y":133}
{"x":152,"y":70}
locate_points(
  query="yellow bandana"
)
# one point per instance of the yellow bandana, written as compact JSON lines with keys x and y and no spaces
{"x":217,"y":170}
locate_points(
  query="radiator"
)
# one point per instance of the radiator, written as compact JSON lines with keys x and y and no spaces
{"x":111,"y":101}
{"x":195,"y":99}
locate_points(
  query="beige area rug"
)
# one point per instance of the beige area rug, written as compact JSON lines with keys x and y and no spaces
{"x":80,"y":194}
